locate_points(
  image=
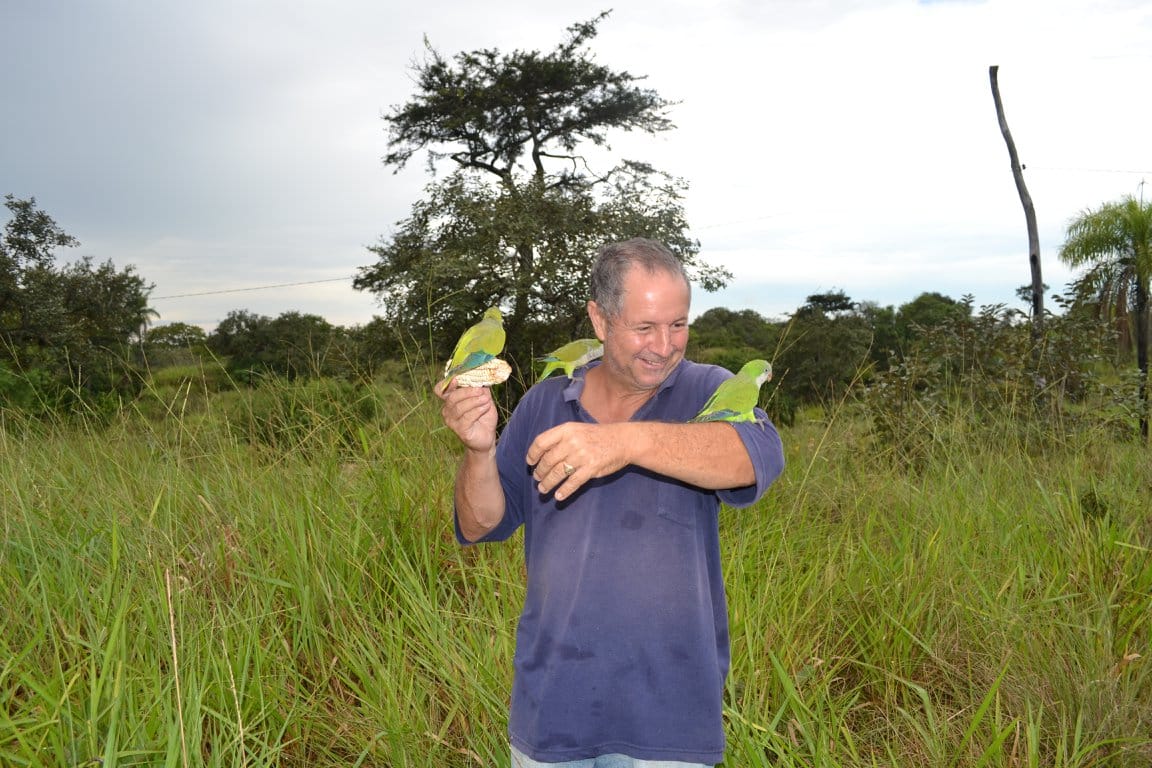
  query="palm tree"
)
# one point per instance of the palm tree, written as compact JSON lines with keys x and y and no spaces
{"x":1115,"y":243}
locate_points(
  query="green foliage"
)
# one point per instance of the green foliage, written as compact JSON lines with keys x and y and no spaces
{"x":831,"y":344}
{"x":72,"y":324}
{"x":984,"y":368}
{"x":292,"y":345}
{"x":721,"y":327}
{"x":829,"y":304}
{"x":493,"y":109}
{"x":174,"y":345}
{"x":305,"y":416}
{"x":31,"y":237}
{"x":299,"y":346}
{"x":824,"y":350}
{"x":1114,"y":242}
{"x":176,"y":598}
{"x":928,"y":311}
{"x":32,"y":393}
{"x":519,"y":220}
{"x":886,"y":338}
{"x":175,"y":336}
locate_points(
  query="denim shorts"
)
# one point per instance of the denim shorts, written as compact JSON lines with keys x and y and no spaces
{"x":520,"y":760}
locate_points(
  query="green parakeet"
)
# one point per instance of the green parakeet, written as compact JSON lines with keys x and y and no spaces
{"x":477,"y":345}
{"x":571,"y":356}
{"x":734,"y":399}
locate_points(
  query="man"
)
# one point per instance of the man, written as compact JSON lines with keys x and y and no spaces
{"x":622,"y":645}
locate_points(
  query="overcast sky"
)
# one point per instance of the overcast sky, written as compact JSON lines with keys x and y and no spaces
{"x":223,"y":146}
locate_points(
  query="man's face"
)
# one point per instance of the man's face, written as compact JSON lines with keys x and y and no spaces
{"x":646,"y":341}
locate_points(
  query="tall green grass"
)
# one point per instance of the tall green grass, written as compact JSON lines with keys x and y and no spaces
{"x":176,"y":593}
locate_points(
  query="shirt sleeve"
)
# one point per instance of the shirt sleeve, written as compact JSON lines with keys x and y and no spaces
{"x":766,"y":451}
{"x":760,"y":437}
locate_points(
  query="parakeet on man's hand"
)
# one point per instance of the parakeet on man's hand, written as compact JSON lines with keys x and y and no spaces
{"x":735,"y":398}
{"x":571,"y":356}
{"x":478,"y":347}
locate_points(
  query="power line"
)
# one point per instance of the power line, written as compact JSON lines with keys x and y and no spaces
{"x":1084,"y":170}
{"x":731,"y":223}
{"x":240,"y":290}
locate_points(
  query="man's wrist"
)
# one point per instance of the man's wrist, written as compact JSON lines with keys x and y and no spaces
{"x":478,"y":457}
{"x":634,"y":439}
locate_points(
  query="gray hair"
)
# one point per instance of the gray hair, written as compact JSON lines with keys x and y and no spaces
{"x":615,"y":259}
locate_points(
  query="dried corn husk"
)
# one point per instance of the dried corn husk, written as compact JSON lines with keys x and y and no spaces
{"x":492,"y":372}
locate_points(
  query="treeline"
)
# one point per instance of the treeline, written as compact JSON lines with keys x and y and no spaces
{"x":908,"y":367}
{"x":78,"y":335}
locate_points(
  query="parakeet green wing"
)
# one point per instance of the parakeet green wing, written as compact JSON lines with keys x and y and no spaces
{"x":735,"y":398}
{"x":477,"y":345}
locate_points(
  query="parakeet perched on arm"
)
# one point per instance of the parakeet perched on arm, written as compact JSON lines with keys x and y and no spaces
{"x":734,"y":399}
{"x":571,"y":356}
{"x":477,"y":346}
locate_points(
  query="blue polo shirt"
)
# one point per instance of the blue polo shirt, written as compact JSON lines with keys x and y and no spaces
{"x":622,"y":646}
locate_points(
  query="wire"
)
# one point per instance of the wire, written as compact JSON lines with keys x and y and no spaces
{"x":1083,"y":170}
{"x":254,"y":288}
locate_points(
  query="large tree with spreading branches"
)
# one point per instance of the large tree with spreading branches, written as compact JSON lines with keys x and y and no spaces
{"x":517,"y":218}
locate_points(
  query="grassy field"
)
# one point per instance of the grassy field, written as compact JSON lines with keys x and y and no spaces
{"x":176,"y":594}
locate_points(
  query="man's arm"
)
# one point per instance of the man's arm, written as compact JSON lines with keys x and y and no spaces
{"x":708,"y":455}
{"x":479,"y":497}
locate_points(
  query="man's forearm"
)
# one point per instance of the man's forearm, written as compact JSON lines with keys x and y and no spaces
{"x":708,"y":455}
{"x":479,"y":496}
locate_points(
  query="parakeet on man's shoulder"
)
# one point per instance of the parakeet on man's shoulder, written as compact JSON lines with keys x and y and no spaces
{"x":735,"y":398}
{"x":571,"y":356}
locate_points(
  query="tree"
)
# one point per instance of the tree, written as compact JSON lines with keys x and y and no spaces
{"x":70,"y":324}
{"x":31,"y":238}
{"x":294,"y":345}
{"x":243,"y":339}
{"x":744,"y":329}
{"x":928,"y":310}
{"x":730,"y":339}
{"x":108,"y":307}
{"x":824,"y":348}
{"x":834,"y":303}
{"x":302,"y":342}
{"x":1114,"y":242}
{"x":517,"y":221}
{"x":176,"y":335}
{"x":886,"y":342}
{"x":1024,"y":294}
{"x":1037,"y":293}
{"x":174,"y":344}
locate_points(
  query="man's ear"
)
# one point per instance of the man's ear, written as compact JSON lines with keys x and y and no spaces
{"x":599,"y":321}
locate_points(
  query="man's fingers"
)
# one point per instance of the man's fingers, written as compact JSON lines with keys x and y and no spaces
{"x":543,"y":443}
{"x":570,"y":486}
{"x":561,"y":483}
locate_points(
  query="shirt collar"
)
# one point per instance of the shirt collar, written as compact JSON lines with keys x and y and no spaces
{"x":576,"y":385}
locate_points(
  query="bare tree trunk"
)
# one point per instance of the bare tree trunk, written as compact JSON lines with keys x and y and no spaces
{"x":1142,"y":353}
{"x":1029,"y":217}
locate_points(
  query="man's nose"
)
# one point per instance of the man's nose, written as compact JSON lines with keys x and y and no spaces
{"x":662,"y":341}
